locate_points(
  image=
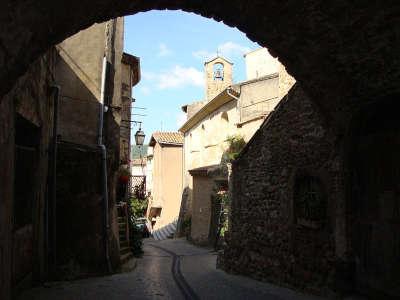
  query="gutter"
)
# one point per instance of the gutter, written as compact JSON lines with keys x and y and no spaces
{"x":103,"y":149}
{"x":228,"y":91}
{"x":51,"y":205}
{"x":219,"y":100}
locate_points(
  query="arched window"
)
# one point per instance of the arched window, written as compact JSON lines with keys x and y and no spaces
{"x":309,"y":202}
{"x":218,"y":70}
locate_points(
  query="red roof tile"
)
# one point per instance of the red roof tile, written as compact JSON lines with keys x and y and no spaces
{"x":172,"y":138}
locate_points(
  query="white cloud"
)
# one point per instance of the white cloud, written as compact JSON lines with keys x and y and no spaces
{"x":148,"y":75}
{"x":163,"y":50}
{"x":175,"y":77}
{"x":232,"y":49}
{"x":180,"y":119}
{"x":145,"y":90}
{"x":227,"y":49}
{"x":204,"y":55}
{"x":178,"y":77}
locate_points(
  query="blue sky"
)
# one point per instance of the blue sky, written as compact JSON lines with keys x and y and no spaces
{"x":173,"y":46}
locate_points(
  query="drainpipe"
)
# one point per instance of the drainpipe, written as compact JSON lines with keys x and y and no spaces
{"x":103,"y":149}
{"x":228,"y":91}
{"x":51,"y":214}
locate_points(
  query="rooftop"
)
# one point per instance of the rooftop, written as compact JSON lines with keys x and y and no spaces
{"x":218,"y":57}
{"x":169,"y":138}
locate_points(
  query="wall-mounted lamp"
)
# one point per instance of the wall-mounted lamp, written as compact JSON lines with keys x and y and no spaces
{"x":139,"y":136}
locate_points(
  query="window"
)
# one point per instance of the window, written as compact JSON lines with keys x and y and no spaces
{"x":309,"y":202}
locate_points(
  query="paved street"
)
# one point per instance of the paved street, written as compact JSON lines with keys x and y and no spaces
{"x":170,"y":269}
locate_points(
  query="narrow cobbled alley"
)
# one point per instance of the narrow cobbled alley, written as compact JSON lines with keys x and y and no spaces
{"x":169,"y":269}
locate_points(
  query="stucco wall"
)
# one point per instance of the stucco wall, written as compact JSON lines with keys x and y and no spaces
{"x":167,"y":182}
{"x":205,"y":142}
{"x":79,"y":69}
{"x":79,"y":73}
{"x":260,"y":63}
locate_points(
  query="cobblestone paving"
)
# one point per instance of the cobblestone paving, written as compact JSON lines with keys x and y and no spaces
{"x":170,"y":269}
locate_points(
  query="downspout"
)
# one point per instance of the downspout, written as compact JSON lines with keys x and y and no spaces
{"x":228,"y":91}
{"x":51,"y":207}
{"x":103,"y":149}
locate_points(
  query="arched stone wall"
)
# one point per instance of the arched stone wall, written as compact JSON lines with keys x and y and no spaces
{"x":338,"y":51}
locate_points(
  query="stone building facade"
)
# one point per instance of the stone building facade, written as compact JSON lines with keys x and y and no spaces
{"x":293,"y":219}
{"x":53,"y":224}
{"x":130,"y":77}
{"x":89,"y":73}
{"x":26,"y":117}
{"x":236,"y":110}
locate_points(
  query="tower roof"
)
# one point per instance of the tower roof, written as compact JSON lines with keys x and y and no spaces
{"x":215,"y":58}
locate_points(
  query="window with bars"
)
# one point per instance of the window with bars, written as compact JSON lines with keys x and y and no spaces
{"x":309,"y":202}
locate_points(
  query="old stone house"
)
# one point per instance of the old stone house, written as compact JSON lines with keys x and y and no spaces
{"x":229,"y":110}
{"x":96,"y":80}
{"x":57,"y":228}
{"x":295,"y":221}
{"x":32,"y":101}
{"x":164,"y":203}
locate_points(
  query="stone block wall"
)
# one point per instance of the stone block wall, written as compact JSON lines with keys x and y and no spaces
{"x":267,"y":239}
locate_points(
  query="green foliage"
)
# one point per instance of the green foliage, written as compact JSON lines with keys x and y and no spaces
{"x":223,"y":198}
{"x":235,"y":144}
{"x":138,"y":207}
{"x":135,"y":239}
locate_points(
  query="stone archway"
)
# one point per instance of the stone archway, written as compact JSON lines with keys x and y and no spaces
{"x":337,"y":51}
{"x":341,"y":53}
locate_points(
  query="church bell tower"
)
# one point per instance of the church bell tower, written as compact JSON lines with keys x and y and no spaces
{"x":218,"y":76}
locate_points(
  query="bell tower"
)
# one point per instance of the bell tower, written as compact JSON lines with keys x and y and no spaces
{"x":218,"y":76}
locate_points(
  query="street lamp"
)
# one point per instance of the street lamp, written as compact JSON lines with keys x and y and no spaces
{"x":139,"y":137}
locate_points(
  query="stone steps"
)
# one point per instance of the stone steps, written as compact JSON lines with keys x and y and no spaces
{"x":125,"y":252}
{"x":125,"y":257}
{"x":165,"y":232}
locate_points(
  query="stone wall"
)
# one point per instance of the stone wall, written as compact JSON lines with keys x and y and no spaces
{"x":267,"y":238}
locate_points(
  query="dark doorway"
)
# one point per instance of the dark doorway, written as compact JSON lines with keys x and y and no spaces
{"x":27,"y":137}
{"x":376,"y":203}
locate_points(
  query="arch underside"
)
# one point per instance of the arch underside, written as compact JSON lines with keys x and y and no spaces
{"x":341,"y":53}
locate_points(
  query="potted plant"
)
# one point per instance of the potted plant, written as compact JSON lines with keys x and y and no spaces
{"x":124,"y":175}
